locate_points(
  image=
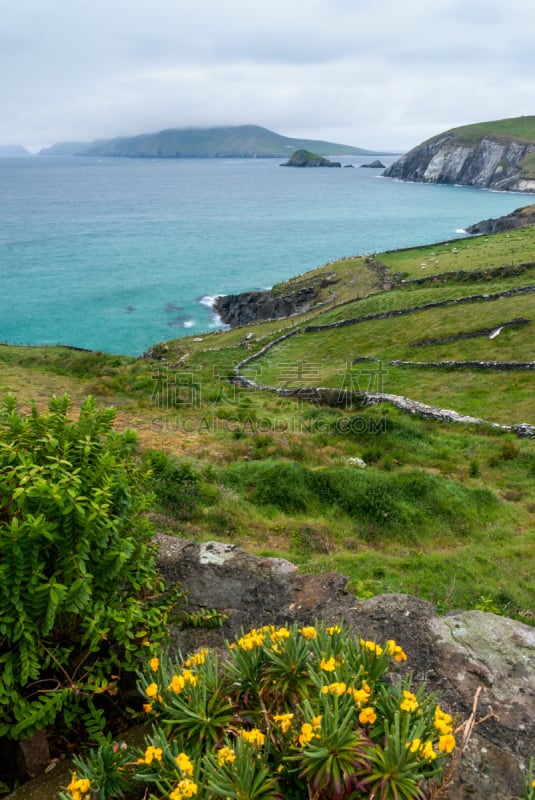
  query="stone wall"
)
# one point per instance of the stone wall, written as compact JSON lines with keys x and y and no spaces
{"x":499,"y":366}
{"x":399,"y":312}
{"x":346,"y":398}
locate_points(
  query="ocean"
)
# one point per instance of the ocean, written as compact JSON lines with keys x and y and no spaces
{"x":118,"y":254}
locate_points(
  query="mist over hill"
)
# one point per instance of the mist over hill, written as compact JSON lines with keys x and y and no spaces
{"x":243,"y":141}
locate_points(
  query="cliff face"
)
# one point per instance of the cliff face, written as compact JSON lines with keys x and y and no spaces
{"x":491,"y":161}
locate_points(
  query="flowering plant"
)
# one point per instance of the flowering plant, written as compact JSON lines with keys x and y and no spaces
{"x":293,"y":712}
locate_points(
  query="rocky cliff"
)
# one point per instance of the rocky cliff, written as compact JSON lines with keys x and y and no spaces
{"x":491,"y":155}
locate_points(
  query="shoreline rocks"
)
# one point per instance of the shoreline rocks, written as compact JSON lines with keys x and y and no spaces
{"x":519,"y":218}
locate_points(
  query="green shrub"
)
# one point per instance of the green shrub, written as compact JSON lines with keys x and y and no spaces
{"x":291,"y":712}
{"x":509,"y":450}
{"x":76,"y":564}
{"x":176,"y":485}
{"x":281,"y":484}
{"x":404,"y":502}
{"x":474,"y":468}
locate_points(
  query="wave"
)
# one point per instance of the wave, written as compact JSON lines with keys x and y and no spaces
{"x":208,"y":300}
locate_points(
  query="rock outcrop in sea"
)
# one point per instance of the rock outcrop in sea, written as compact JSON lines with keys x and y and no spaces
{"x":374,"y":165}
{"x":304,"y":158}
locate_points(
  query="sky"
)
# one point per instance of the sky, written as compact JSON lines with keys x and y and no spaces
{"x":380,"y":74}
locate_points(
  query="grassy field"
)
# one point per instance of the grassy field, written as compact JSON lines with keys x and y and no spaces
{"x":517,"y":127}
{"x":442,"y":511}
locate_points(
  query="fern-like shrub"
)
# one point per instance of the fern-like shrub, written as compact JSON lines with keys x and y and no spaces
{"x":81,"y":602}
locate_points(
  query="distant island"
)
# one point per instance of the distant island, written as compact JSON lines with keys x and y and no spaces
{"x":495,"y":155}
{"x":304,"y":158}
{"x":242,"y":141}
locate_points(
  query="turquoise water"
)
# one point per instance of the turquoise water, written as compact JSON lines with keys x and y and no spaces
{"x":118,"y":254}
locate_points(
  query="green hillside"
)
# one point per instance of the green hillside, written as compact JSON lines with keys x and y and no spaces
{"x":442,"y":510}
{"x":243,"y":141}
{"x":516,"y":128}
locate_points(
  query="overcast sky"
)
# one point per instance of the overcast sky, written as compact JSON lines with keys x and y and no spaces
{"x":379,"y":74}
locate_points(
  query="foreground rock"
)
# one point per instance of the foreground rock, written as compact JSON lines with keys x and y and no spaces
{"x":518,"y":218}
{"x":454,"y":654}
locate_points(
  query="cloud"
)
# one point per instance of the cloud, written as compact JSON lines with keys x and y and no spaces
{"x":383,"y":75}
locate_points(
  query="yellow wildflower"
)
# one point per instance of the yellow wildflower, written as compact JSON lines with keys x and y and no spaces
{"x":307,"y":733}
{"x":177,"y":684}
{"x":151,"y":754}
{"x":316,"y":722}
{"x":338,"y":687}
{"x":373,"y":647}
{"x":197,"y":658}
{"x":446,"y":743}
{"x":409,"y":702}
{"x":428,"y":752}
{"x":78,"y":787}
{"x":185,"y":788}
{"x":152,"y":690}
{"x":328,"y":665}
{"x":284,"y":721}
{"x":154,"y":663}
{"x":309,"y":632}
{"x":442,"y":721}
{"x":334,"y":629}
{"x":254,"y":737}
{"x":415,"y":745}
{"x":367,"y":715}
{"x":147,"y":708}
{"x":184,"y":763}
{"x":254,"y":638}
{"x":226,"y":756}
{"x":359,"y":695}
{"x":396,"y":651}
{"x":190,"y":677}
{"x":279,"y":634}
